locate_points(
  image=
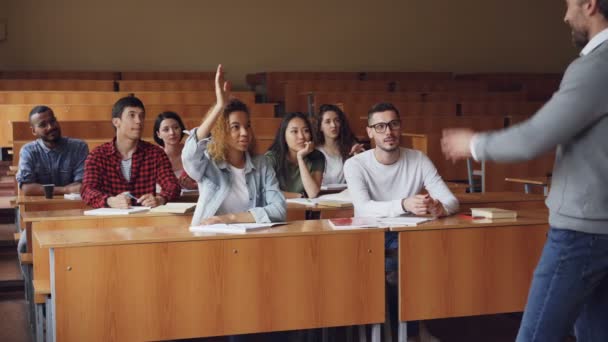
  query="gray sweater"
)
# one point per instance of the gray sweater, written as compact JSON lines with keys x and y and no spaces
{"x":575,"y":121}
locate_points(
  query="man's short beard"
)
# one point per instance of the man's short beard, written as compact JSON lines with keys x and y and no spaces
{"x":580,"y":38}
{"x":391,"y":149}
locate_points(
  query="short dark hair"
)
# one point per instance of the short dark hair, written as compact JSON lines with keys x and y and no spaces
{"x":39,"y":109}
{"x":380,"y":107}
{"x":127,"y":101}
{"x":603,"y":5}
{"x":235,"y":105}
{"x":160,"y":118}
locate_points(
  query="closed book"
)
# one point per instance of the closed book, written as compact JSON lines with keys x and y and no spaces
{"x":493,"y":213}
{"x":174,"y":208}
{"x":353,"y":222}
{"x":233,"y":228}
{"x":115,"y":211}
{"x":334,"y":203}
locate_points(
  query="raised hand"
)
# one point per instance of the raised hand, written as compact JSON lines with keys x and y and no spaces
{"x":222,"y":87}
{"x":356,"y":149}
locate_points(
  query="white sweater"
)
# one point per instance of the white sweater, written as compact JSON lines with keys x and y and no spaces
{"x":377,"y":189}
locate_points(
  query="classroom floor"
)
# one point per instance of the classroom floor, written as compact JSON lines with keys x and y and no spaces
{"x":494,"y":328}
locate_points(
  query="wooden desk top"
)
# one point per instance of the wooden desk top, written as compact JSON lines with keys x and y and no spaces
{"x":459,"y":221}
{"x":463,"y":198}
{"x":57,"y":199}
{"x":296,"y":206}
{"x":21,"y":199}
{"x":78,"y":214}
{"x":150,"y":234}
{"x":530,"y":180}
{"x":489,"y":197}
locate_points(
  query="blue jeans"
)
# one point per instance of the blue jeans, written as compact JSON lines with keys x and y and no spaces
{"x":570,"y":287}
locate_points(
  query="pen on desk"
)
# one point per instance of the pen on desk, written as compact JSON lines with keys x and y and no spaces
{"x":131,"y":196}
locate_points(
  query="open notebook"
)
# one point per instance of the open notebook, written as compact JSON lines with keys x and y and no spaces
{"x":114,"y":211}
{"x":234,"y":228}
{"x":341,"y":199}
{"x":370,"y":222}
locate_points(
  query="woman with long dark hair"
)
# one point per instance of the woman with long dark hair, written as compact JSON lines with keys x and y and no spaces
{"x":336,"y":141}
{"x":168,"y":133}
{"x":298,"y":165}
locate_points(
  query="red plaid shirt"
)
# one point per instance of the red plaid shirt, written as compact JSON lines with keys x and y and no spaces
{"x":149,"y":165}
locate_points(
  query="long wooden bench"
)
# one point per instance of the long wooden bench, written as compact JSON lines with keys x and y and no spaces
{"x":98,"y":105}
{"x":166,"y":85}
{"x":317,"y":98}
{"x":167,"y":75}
{"x":91,"y":97}
{"x":294,"y":101}
{"x":274,"y":81}
{"x":98,"y":132}
{"x":524,"y":108}
{"x":56,"y":85}
{"x":59,"y":75}
{"x":103,"y":112}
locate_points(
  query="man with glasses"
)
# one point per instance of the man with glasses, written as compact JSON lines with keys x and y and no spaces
{"x":389,"y":180}
{"x":50,"y":159}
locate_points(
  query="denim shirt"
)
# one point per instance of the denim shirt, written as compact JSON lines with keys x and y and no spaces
{"x":266,"y":201}
{"x":61,"y":165}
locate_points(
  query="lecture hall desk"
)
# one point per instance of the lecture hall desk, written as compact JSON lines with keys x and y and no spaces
{"x":164,"y":282}
{"x":459,"y":266}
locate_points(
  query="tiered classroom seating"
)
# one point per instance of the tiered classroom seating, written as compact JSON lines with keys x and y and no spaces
{"x":167,"y":75}
{"x":97,"y":132}
{"x":15,"y":106}
{"x":166,"y":85}
{"x":273,"y":82}
{"x":304,"y":99}
{"x":57,"y":85}
{"x":538,"y":86}
{"x":60,"y":75}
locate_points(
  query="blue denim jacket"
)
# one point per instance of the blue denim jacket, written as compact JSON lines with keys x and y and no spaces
{"x":61,"y":166}
{"x":266,"y":201}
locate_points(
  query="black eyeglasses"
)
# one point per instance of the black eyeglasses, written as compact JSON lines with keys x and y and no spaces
{"x":380,"y":127}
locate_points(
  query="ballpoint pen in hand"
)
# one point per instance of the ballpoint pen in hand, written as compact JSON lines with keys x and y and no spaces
{"x":128,"y":194}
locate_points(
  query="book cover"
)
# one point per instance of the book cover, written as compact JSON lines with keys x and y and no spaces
{"x":174,"y":208}
{"x":493,"y":213}
{"x":353,"y":222}
{"x":115,"y":211}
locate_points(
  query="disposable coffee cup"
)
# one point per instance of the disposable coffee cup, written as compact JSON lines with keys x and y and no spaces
{"x":48,"y":190}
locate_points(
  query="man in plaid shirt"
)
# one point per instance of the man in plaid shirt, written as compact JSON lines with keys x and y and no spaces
{"x":128,"y":167}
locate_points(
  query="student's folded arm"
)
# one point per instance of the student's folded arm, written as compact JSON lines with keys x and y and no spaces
{"x":364,"y":205}
{"x":91,"y":183}
{"x":275,"y":209}
{"x":571,"y":110}
{"x":169,"y":185}
{"x":194,"y":158}
{"x":436,"y":187}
